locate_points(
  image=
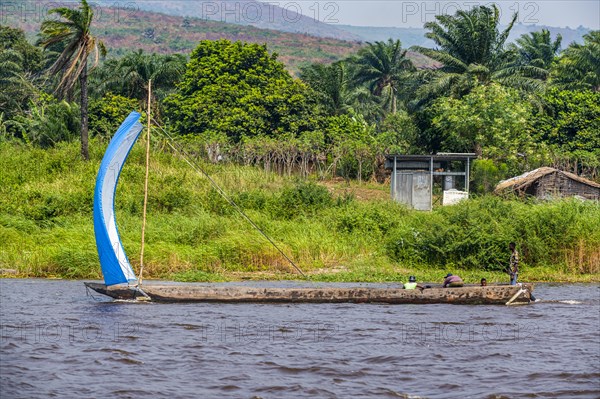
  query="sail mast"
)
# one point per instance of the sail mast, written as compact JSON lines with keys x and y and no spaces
{"x":146,"y":183}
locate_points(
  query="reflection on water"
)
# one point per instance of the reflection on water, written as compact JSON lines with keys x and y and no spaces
{"x":56,"y":341}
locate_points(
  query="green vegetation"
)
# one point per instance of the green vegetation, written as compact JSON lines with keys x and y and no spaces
{"x":490,"y":121}
{"x":579,"y":67}
{"x":129,"y":76}
{"x":71,"y":32}
{"x":20,"y":61}
{"x":383,"y":68}
{"x":46,"y":226}
{"x":474,"y":52}
{"x":293,"y":151}
{"x":235,"y":90}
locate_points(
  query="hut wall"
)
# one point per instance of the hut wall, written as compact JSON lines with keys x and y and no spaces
{"x":559,"y":185}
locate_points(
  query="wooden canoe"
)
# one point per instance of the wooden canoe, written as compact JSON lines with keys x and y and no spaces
{"x":468,"y":295}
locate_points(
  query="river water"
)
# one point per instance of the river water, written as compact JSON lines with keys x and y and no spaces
{"x":56,"y":341}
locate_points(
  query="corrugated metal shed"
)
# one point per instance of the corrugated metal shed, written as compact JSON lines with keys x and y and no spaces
{"x":413,"y":176}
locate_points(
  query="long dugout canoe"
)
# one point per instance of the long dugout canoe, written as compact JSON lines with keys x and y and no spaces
{"x":468,"y":295}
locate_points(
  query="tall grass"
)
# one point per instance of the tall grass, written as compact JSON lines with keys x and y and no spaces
{"x":193,"y":234}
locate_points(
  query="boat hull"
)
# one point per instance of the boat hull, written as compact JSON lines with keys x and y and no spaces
{"x":469,"y":295}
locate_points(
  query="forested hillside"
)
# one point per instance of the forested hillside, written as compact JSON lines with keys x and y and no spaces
{"x":123,"y":30}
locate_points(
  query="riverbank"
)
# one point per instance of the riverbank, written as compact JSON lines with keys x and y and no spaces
{"x":334,"y":231}
{"x":366,"y":275}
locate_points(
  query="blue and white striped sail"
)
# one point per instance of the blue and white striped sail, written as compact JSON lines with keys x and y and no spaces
{"x":116,"y":268}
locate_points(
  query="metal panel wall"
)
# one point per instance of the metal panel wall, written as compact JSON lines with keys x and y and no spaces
{"x":421,"y":191}
{"x":403,"y":186}
{"x":413,"y":189}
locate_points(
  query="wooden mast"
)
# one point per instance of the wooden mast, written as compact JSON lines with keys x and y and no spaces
{"x":146,"y":182}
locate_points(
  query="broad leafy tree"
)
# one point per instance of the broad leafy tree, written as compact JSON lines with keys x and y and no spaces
{"x":491,"y":121}
{"x":352,"y":144}
{"x":571,"y":120}
{"x":108,"y":112}
{"x":72,"y":30}
{"x":234,"y":90}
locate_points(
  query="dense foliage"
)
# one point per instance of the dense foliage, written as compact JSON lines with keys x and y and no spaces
{"x":234,"y":105}
{"x":107,"y":113}
{"x":236,"y":90}
{"x":45,"y":227}
{"x":490,"y":121}
{"x":521,"y":105}
{"x":571,"y":121}
{"x":578,"y":67}
{"x":473,"y":52}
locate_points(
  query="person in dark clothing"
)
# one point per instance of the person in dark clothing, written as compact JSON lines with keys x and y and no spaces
{"x":452,"y":281}
{"x":513,"y":265}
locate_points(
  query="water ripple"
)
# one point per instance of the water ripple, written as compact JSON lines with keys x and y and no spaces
{"x":70,"y":343}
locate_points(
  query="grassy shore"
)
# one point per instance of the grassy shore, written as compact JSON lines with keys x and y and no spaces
{"x":333,"y":231}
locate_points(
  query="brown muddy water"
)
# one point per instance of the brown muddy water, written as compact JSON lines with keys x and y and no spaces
{"x":55,"y":341}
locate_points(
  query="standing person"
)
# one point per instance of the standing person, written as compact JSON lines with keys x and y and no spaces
{"x":513,"y":266}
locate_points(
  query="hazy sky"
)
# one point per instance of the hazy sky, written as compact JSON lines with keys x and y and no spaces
{"x":397,"y":13}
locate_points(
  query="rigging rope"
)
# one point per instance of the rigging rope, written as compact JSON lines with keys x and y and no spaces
{"x":146,"y":184}
{"x":187,"y":158}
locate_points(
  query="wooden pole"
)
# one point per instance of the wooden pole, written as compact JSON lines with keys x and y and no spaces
{"x":146,"y":182}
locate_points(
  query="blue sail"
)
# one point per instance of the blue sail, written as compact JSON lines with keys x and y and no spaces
{"x":116,"y":268}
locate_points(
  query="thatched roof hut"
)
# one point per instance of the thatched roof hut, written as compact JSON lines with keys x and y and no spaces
{"x":550,"y":183}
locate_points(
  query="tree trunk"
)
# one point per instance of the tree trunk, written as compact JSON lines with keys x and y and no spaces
{"x":84,"y":112}
{"x":478,"y":149}
{"x":360,"y":162}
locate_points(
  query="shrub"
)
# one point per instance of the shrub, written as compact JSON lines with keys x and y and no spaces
{"x":107,"y":113}
{"x":303,"y":199}
{"x":475,"y":234}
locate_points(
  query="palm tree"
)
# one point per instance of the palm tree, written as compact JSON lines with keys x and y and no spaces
{"x":472,"y":52}
{"x":579,"y":65}
{"x":137,"y":68}
{"x":384,"y":69}
{"x":537,"y":49}
{"x":73,"y":32}
{"x":331,"y":82}
{"x":17,"y":86}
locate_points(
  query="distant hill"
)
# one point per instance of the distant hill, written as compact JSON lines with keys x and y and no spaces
{"x":287,"y":18}
{"x":408,"y":36}
{"x":123,"y":30}
{"x":569,"y":35}
{"x":416,"y":36}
